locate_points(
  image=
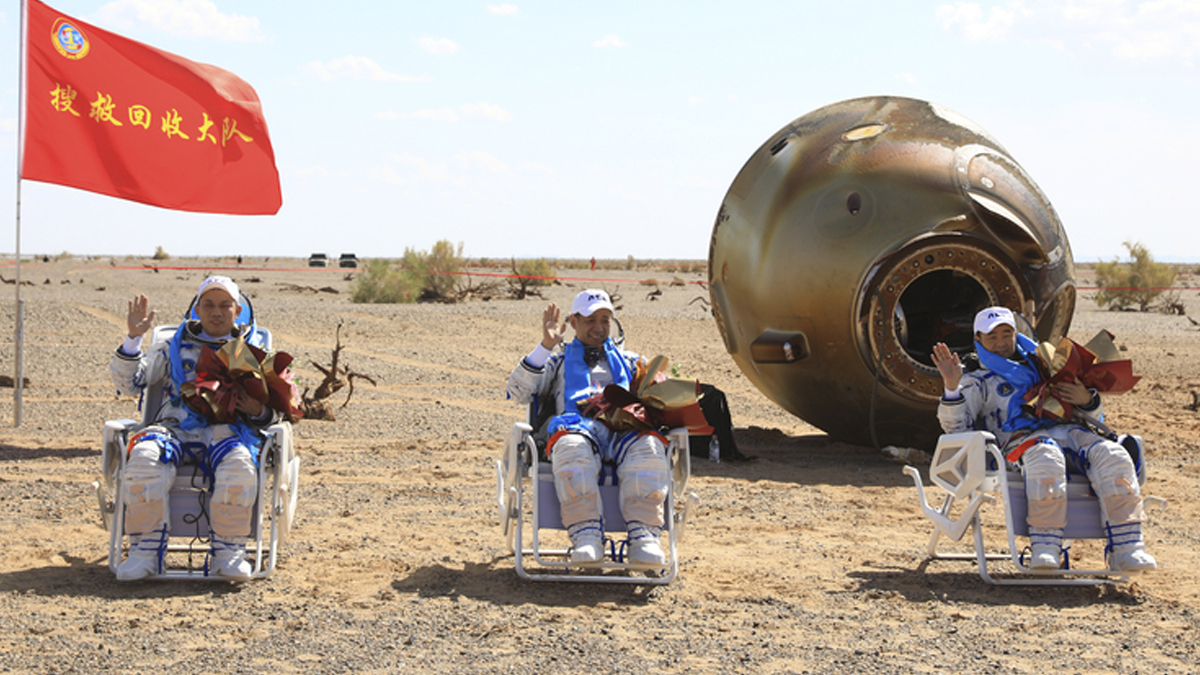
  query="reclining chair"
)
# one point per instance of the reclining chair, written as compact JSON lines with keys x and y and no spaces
{"x":969,"y":468}
{"x":188,"y":547}
{"x":521,"y":474}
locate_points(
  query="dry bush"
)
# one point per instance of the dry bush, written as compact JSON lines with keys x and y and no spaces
{"x":529,"y":277}
{"x":434,"y":276}
{"x":380,"y":283}
{"x":1137,"y":282}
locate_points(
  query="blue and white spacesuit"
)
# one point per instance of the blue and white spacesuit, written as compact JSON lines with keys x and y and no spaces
{"x":226,"y":453}
{"x":990,"y":399}
{"x":581,"y":447}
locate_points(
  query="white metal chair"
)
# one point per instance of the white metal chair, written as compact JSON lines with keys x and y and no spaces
{"x":969,"y":468}
{"x":522,"y":477}
{"x":188,"y":547}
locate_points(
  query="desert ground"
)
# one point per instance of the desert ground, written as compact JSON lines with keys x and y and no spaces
{"x":808,"y":559}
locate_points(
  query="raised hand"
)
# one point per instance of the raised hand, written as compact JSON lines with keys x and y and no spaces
{"x":140,"y":317}
{"x":553,"y":329}
{"x":948,"y":365}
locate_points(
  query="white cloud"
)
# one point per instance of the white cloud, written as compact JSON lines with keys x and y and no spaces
{"x":420,"y":165}
{"x":387,"y":174}
{"x":1142,"y":32}
{"x":437,"y":45}
{"x":907,"y":78}
{"x":464,"y":170}
{"x":469,"y":111}
{"x":435,"y":115}
{"x":486,"y":111}
{"x":357,"y":68}
{"x":193,"y":18}
{"x":481,"y":161}
{"x":502,"y":10}
{"x":969,"y":16}
{"x":695,"y":100}
{"x":610,"y":41}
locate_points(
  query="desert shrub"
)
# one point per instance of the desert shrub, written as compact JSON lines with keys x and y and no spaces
{"x":380,"y":283}
{"x":160,"y":254}
{"x":442,"y":270}
{"x":630,"y":263}
{"x":1137,"y":282}
{"x":528,"y":276}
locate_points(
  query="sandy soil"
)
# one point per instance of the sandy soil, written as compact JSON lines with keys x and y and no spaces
{"x":806,"y":560}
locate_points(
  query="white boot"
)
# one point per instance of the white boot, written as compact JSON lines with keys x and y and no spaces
{"x":1045,"y":548}
{"x":644,"y":547}
{"x":1045,"y":557}
{"x":587,"y":542}
{"x":1128,"y":552}
{"x":145,"y":555}
{"x":229,"y":559}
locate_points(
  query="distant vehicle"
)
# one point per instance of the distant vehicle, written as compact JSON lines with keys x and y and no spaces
{"x":318,"y":260}
{"x":348,"y":260}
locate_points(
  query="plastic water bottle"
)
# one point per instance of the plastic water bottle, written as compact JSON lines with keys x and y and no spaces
{"x":905,"y":455}
{"x":714,"y":449}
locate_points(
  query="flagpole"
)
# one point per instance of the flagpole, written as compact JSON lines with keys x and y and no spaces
{"x":19,"y":332}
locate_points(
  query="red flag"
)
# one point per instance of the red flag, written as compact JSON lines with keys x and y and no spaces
{"x":118,"y":117}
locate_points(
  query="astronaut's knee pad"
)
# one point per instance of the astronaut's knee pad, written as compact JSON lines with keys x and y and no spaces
{"x":644,"y":474}
{"x":1114,"y":480}
{"x":147,"y":483}
{"x":576,"y":468}
{"x":235,"y":488}
{"x":1045,"y":469}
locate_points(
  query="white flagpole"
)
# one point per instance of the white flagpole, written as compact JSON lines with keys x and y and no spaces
{"x":19,"y":334}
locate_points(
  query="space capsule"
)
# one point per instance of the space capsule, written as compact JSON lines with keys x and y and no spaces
{"x":857,"y":237}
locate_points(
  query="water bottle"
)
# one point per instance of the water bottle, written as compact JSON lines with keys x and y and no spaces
{"x":905,"y":455}
{"x":714,"y":449}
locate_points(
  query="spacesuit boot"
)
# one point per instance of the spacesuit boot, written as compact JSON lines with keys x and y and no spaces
{"x":587,"y":542}
{"x":229,"y":559}
{"x":145,"y":555}
{"x":1128,"y":552}
{"x":1045,"y":546}
{"x":644,"y":547}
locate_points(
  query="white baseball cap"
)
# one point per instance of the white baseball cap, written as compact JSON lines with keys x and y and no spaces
{"x":587,"y":302}
{"x":224,"y":283}
{"x":987,"y":319}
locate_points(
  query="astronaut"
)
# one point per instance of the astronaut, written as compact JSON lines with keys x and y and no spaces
{"x":580,"y":446}
{"x":227,"y":453}
{"x":990,"y":399}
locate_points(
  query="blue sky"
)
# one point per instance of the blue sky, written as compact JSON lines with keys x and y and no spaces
{"x":572,"y":129}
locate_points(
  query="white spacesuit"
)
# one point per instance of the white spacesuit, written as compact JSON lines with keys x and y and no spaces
{"x":1046,"y":450}
{"x":226,"y":453}
{"x":581,"y":448}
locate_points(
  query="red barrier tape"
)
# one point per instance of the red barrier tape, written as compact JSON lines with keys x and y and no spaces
{"x":500,"y":275}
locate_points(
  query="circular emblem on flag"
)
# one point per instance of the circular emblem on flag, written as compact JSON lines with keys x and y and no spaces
{"x":69,"y":40}
{"x":1005,"y":389}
